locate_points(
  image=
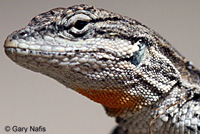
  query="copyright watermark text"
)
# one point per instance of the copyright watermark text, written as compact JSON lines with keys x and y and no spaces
{"x":25,"y":129}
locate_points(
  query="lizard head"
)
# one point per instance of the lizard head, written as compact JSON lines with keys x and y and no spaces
{"x":111,"y":59}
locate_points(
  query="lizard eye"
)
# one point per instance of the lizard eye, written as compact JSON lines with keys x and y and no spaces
{"x":80,"y":24}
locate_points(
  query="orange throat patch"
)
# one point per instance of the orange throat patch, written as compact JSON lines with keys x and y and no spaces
{"x":115,"y":100}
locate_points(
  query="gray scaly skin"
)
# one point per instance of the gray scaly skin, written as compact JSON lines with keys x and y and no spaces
{"x":116,"y":61}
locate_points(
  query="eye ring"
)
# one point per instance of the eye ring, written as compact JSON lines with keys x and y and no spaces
{"x":76,"y":25}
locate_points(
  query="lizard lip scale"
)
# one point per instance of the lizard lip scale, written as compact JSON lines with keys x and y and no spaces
{"x":115,"y":61}
{"x":9,"y":44}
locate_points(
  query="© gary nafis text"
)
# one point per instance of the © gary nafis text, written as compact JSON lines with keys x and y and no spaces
{"x":29,"y":129}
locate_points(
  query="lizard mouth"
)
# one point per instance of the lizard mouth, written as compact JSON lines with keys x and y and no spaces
{"x":83,"y":61}
{"x":48,"y":51}
{"x":12,"y":47}
{"x":56,"y":54}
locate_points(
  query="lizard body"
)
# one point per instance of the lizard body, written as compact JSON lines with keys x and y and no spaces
{"x":116,"y":61}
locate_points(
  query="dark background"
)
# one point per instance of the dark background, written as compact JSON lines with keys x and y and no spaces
{"x":31,"y":99}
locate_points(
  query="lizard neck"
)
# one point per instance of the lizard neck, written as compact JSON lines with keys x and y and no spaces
{"x":142,"y":119}
{"x":169,"y":108}
{"x":189,"y":73}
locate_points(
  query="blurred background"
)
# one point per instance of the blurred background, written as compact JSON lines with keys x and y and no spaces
{"x":31,"y":99}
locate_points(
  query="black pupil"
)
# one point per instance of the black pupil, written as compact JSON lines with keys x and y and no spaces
{"x":80,"y":24}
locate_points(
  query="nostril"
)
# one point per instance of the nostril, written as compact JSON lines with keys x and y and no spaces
{"x":14,"y":37}
{"x":23,"y":34}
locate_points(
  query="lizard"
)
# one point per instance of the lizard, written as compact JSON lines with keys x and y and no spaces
{"x":114,"y":60}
